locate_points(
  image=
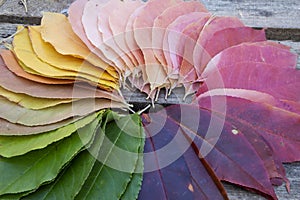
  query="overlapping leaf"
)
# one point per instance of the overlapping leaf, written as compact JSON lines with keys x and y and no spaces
{"x":24,"y":144}
{"x":80,"y":169}
{"x":47,"y":53}
{"x":16,"y":84}
{"x":173,"y":168}
{"x":31,"y":102}
{"x":13,"y":65}
{"x":118,"y":26}
{"x":124,"y":140}
{"x":19,"y":115}
{"x":106,"y":33}
{"x":16,"y":171}
{"x":180,"y":39}
{"x":51,"y":22}
{"x":243,"y":123}
{"x":11,"y":129}
{"x":76,"y":169}
{"x":239,"y":154}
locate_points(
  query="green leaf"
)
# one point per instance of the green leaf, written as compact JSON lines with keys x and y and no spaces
{"x":74,"y":175}
{"x":119,"y":153}
{"x":28,"y":172}
{"x":13,"y":196}
{"x":134,"y":187}
{"x":18,"y":145}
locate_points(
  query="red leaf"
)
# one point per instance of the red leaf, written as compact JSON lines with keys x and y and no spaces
{"x":161,"y":23}
{"x":264,"y":52}
{"x":185,"y":27}
{"x":180,"y":40}
{"x":185,"y":178}
{"x":279,"y":128}
{"x":228,"y":37}
{"x":280,"y":82}
{"x":214,"y":25}
{"x":244,"y":151}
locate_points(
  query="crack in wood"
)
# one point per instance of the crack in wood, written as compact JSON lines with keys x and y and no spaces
{"x":14,"y":19}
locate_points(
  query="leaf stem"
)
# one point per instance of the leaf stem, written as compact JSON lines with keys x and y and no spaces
{"x":143,"y":110}
{"x":24,"y":2}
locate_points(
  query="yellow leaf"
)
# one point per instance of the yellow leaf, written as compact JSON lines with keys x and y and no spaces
{"x":47,"y":53}
{"x":12,"y":64}
{"x":32,"y":64}
{"x":54,"y":23}
{"x":32,"y":102}
{"x":24,"y":52}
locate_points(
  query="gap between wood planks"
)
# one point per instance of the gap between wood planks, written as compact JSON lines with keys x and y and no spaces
{"x":272,"y":33}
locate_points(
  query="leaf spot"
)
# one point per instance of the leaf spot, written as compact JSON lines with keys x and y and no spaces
{"x":191,"y":188}
{"x":234,"y":131}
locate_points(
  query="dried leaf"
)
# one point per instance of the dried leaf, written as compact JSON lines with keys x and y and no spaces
{"x":53,"y":23}
{"x":16,"y":114}
{"x":10,"y":129}
{"x":25,"y":53}
{"x":164,"y":19}
{"x":129,"y":37}
{"x":13,"y":83}
{"x":13,"y":65}
{"x":118,"y":27}
{"x":90,"y":24}
{"x":75,"y":16}
{"x":185,"y":27}
{"x":105,"y":30}
{"x":180,"y":40}
{"x":32,"y":102}
{"x":47,"y":53}
{"x":153,"y":71}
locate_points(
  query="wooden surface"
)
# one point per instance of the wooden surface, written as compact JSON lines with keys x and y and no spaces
{"x":281,"y":17}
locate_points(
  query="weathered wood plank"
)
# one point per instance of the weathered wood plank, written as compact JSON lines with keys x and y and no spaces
{"x":7,"y":29}
{"x":277,"y":15}
{"x":259,"y":13}
{"x":13,"y":11}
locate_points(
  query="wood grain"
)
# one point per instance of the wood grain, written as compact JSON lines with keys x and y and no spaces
{"x":278,"y":15}
{"x":13,"y":11}
{"x":259,"y":13}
